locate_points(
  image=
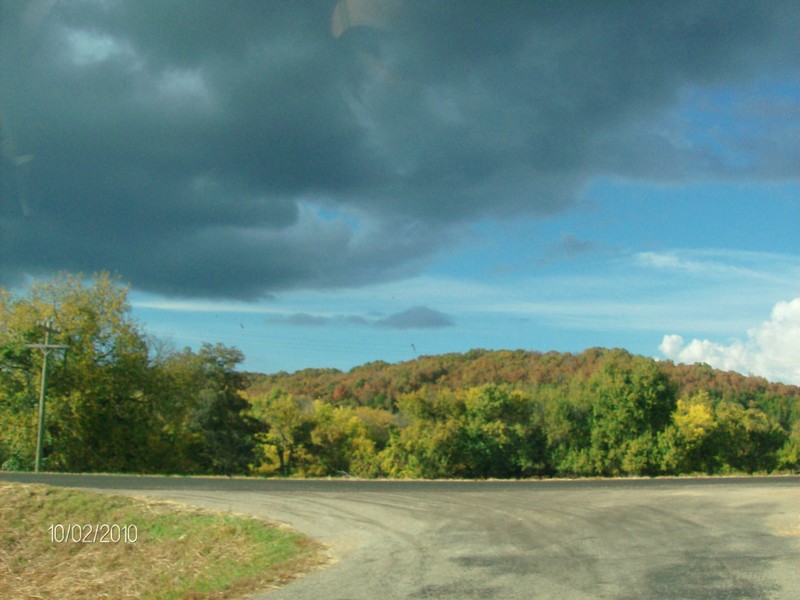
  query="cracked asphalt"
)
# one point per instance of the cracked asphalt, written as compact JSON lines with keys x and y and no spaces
{"x":626,"y":539}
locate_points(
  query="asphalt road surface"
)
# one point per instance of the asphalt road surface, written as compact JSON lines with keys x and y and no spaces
{"x":626,"y":539}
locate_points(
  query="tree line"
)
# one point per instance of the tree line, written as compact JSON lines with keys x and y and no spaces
{"x":118,"y":400}
{"x":623,"y":418}
{"x":121,"y":401}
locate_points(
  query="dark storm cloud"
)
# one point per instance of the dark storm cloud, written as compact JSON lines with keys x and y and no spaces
{"x":216,"y":149}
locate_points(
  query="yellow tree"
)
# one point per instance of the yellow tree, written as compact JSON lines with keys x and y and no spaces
{"x":340,"y":443}
{"x":687,"y":444}
{"x":719,"y":436}
{"x":287,"y":424}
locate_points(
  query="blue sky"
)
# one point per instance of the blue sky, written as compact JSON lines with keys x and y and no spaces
{"x":632,"y":264}
{"x":327,"y":183}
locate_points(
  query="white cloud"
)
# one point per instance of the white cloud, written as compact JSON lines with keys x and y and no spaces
{"x":144,"y":301}
{"x":771,"y":350}
{"x":722,"y":263}
{"x":87,"y":48}
{"x":671,"y":345}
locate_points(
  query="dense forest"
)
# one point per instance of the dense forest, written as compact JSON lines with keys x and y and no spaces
{"x":121,"y":401}
{"x":527,"y":414}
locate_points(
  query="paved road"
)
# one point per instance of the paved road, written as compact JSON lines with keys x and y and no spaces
{"x":626,"y":539}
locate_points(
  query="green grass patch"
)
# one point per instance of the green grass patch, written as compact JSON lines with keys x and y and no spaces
{"x":172,"y":551}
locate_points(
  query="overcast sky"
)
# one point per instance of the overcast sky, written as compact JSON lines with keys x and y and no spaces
{"x":327,"y":183}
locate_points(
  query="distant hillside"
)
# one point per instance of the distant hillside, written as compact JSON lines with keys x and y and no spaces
{"x":380,"y":384}
{"x":516,"y":414}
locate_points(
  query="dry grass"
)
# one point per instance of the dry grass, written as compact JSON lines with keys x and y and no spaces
{"x":181,"y":552}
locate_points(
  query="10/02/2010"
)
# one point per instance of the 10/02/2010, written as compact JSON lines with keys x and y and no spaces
{"x":93,"y":533}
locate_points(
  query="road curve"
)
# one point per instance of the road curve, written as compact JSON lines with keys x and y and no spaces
{"x":624,"y":539}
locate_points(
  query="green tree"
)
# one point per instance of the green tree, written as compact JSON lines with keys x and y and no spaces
{"x":789,"y":455}
{"x":633,"y":404}
{"x":502,"y":433}
{"x":429,"y":443}
{"x":209,"y":413}
{"x":486,"y":431}
{"x":98,"y":406}
{"x":746,"y":439}
{"x":113,"y":404}
{"x":566,"y":413}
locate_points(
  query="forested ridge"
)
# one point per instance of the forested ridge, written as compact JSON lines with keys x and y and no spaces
{"x":521,"y":414}
{"x":121,"y":401}
{"x":380,"y":384}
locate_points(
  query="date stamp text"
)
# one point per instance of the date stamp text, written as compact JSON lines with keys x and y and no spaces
{"x":92,"y":533}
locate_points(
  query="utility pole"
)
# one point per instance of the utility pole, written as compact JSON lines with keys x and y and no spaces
{"x":49,"y":328}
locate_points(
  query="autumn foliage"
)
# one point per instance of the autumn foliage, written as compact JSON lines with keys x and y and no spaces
{"x":120,"y":401}
{"x":526,"y":414}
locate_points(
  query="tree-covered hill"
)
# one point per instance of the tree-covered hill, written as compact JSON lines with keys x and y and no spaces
{"x":523,"y":414}
{"x":119,"y":400}
{"x":380,"y":384}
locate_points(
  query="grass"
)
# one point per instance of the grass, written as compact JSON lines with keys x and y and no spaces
{"x":181,"y":552}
